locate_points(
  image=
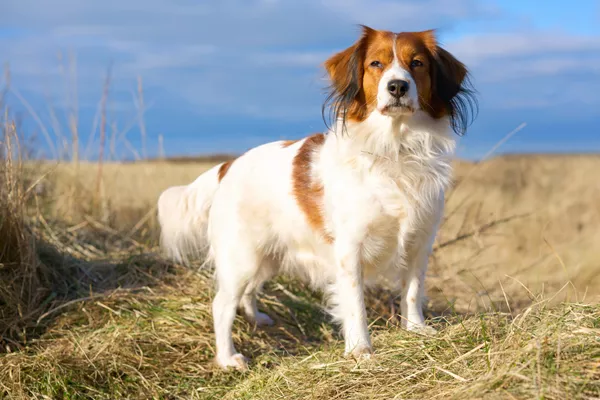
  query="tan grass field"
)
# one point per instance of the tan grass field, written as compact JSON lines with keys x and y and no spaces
{"x":513,"y":287}
{"x":545,"y":210}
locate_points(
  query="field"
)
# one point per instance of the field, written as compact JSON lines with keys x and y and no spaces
{"x":90,"y":309}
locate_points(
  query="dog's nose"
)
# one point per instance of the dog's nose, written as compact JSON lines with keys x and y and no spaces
{"x":397,"y":88}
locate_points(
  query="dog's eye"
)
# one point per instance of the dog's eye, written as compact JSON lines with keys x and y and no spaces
{"x":416,"y":63}
{"x":376,"y":64}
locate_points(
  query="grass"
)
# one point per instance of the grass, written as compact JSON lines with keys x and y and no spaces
{"x":542,"y":353}
{"x":156,"y":342}
{"x":90,"y":309}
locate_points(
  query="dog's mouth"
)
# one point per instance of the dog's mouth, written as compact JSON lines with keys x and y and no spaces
{"x":398,"y":108}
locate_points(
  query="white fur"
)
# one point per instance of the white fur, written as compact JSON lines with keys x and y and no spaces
{"x":384,"y":182}
{"x":384,"y":98}
{"x":383,"y":198}
{"x":183,"y":216}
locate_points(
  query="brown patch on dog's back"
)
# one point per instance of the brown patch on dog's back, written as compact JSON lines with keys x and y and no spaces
{"x":288,"y":143}
{"x":308,"y":191}
{"x":223,"y":169}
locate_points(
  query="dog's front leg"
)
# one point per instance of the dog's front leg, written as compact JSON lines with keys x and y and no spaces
{"x":349,"y":299}
{"x":413,"y":281}
{"x":411,"y":303}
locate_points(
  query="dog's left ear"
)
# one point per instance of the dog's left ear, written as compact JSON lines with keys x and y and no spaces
{"x":447,"y":72}
{"x":450,"y":74}
{"x":450,"y":95}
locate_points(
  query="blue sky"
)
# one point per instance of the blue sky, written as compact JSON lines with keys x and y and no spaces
{"x":223,"y":76}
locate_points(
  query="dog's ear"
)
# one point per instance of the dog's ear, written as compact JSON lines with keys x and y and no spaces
{"x":450,"y":92}
{"x":345,"y":70}
{"x":450,"y":74}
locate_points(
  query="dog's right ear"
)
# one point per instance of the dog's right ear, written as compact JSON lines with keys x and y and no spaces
{"x":345,"y":70}
{"x":346,"y":67}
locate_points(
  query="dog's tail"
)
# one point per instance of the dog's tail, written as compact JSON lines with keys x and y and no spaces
{"x":183,"y":216}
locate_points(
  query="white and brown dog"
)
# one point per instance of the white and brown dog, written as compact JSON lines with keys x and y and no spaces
{"x":355,"y":206}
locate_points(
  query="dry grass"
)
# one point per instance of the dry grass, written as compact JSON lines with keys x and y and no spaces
{"x":542,"y":353}
{"x":157,"y":343}
{"x":551,"y":243}
{"x":513,"y":298}
{"x":546,"y":208}
{"x":26,"y":281}
{"x":128,"y":192}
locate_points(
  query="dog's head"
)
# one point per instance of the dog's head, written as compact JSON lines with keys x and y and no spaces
{"x":397,"y":74}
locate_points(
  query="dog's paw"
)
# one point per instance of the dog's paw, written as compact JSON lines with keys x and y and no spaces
{"x":263,"y":319}
{"x":237,"y":361}
{"x":360,"y":352}
{"x":425,"y":330}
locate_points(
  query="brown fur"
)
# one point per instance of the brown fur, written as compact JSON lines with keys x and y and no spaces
{"x":224,"y":168}
{"x":288,"y":143}
{"x":307,"y":191}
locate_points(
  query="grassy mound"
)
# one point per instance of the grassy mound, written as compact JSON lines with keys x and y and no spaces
{"x":158,"y":343}
{"x":542,"y":353}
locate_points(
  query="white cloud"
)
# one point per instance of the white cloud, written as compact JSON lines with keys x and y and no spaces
{"x":298,"y":59}
{"x":262,"y":57}
{"x":177,"y":56}
{"x":477,"y":48}
{"x":230,"y":56}
{"x":545,"y":66}
{"x":410,"y":15}
{"x":533,"y":70}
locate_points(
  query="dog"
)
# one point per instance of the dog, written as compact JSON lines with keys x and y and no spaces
{"x":355,"y":206}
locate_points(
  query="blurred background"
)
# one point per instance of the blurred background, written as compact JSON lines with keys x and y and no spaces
{"x":223,"y":76}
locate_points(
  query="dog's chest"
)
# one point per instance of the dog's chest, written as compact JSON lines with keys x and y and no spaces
{"x":403,"y":198}
{"x":408,"y":186}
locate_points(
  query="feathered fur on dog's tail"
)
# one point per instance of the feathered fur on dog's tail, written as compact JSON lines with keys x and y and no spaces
{"x":183,"y":216}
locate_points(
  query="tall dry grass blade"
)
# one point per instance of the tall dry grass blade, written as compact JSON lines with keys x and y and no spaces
{"x":102,"y":131}
{"x":37,"y":119}
{"x":141,"y":122}
{"x":503,"y":140}
{"x":20,"y":272}
{"x":62,"y":142}
{"x":505,"y":296}
{"x":6,"y":84}
{"x":531,"y":295}
{"x":479,"y":230}
{"x":74,"y":110}
{"x":113,"y":140}
{"x":141,"y":222}
{"x":132,"y":149}
{"x":562,"y":264}
{"x":92,"y":135}
{"x":161,"y":147}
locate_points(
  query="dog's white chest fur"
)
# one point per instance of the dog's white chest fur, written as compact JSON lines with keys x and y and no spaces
{"x":391,"y":178}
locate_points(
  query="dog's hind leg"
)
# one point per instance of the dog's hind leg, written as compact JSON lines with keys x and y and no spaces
{"x":248,"y":301}
{"x":234,"y":271}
